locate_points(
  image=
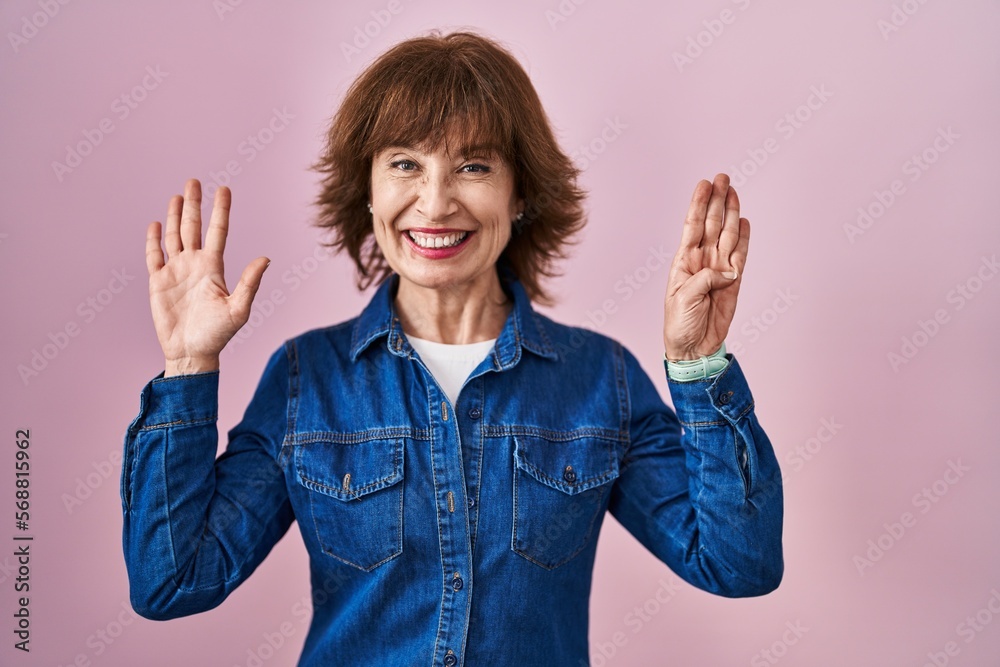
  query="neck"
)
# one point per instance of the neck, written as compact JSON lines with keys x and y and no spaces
{"x":455,"y":313}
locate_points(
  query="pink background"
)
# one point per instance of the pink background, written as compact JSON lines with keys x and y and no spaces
{"x":824,"y":359}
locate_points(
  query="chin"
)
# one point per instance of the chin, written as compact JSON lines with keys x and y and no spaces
{"x":436,"y":277}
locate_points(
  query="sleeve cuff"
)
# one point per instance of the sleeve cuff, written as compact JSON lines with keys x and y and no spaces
{"x":178,"y":399}
{"x":704,"y":400}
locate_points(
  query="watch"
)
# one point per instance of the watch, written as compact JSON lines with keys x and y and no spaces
{"x":701,"y":368}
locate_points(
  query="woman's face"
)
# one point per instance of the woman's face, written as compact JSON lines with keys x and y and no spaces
{"x":441,"y":220}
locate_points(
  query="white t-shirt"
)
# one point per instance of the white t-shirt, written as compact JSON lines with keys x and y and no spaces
{"x":450,"y":364}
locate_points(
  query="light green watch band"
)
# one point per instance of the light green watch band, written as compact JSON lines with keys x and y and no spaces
{"x":701,"y":368}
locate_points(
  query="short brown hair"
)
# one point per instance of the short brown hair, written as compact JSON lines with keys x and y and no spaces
{"x":412,"y":95}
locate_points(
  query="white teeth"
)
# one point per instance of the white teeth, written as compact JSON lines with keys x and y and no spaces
{"x":436,"y":240}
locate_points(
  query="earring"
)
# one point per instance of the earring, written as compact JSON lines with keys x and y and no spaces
{"x":369,"y":207}
{"x":519,"y":216}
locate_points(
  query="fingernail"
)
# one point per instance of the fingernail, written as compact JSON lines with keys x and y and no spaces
{"x":731,"y":275}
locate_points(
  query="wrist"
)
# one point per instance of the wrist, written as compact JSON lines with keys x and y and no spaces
{"x":681,"y":353}
{"x":190,"y":365}
{"x":676,"y":354}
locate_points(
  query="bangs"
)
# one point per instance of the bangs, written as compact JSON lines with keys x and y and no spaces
{"x":426,"y":105}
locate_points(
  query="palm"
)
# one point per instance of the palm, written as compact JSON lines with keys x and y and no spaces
{"x":193,"y":312}
{"x":190,"y":306}
{"x":700,"y":302}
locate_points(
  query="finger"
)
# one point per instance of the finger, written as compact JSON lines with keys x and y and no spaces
{"x":154,"y":254}
{"x":703,"y":282}
{"x":716,"y":209}
{"x":191,"y":215}
{"x":172,"y":240}
{"x":738,"y":260}
{"x":694,"y":223}
{"x":730,"y":235}
{"x":246,"y":289}
{"x":218,"y":226}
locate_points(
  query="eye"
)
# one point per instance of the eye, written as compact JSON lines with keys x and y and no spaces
{"x":477,"y":168}
{"x":401,"y":164}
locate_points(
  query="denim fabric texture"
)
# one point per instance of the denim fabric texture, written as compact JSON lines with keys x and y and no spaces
{"x":444,"y":534}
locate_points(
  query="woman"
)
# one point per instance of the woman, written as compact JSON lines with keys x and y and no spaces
{"x":449,"y":453}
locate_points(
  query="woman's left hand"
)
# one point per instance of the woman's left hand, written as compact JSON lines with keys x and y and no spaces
{"x":701,"y":288}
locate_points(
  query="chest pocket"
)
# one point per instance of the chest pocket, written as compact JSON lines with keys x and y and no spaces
{"x":355,"y":496}
{"x":560,"y":490}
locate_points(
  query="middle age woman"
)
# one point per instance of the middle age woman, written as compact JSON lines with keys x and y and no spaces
{"x":450,"y":452}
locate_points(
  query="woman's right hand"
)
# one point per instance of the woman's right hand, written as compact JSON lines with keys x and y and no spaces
{"x":193,"y":312}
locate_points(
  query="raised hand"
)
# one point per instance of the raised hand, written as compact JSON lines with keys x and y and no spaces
{"x":193,"y":312}
{"x":706,"y":272}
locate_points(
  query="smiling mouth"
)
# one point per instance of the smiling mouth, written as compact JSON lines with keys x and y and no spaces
{"x":440,"y":240}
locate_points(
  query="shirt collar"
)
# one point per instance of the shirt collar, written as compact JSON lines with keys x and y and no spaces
{"x":523,"y":328}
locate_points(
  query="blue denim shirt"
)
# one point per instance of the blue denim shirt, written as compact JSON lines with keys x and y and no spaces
{"x":444,"y":534}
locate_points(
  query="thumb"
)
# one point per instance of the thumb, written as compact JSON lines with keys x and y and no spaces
{"x":242,"y":296}
{"x":706,"y":280}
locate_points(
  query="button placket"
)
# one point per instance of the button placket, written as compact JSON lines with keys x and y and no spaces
{"x":448,"y":474}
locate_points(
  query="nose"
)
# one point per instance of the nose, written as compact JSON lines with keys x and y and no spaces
{"x":436,"y":197}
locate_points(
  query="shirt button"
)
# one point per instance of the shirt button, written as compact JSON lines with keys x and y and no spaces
{"x":472,"y":501}
{"x":724,"y":398}
{"x":457,"y":583}
{"x":569,"y":474}
{"x":475,"y":413}
{"x":450,"y":659}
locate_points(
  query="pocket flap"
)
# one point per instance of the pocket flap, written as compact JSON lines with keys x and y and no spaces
{"x":572,"y":466}
{"x":349,"y":470}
